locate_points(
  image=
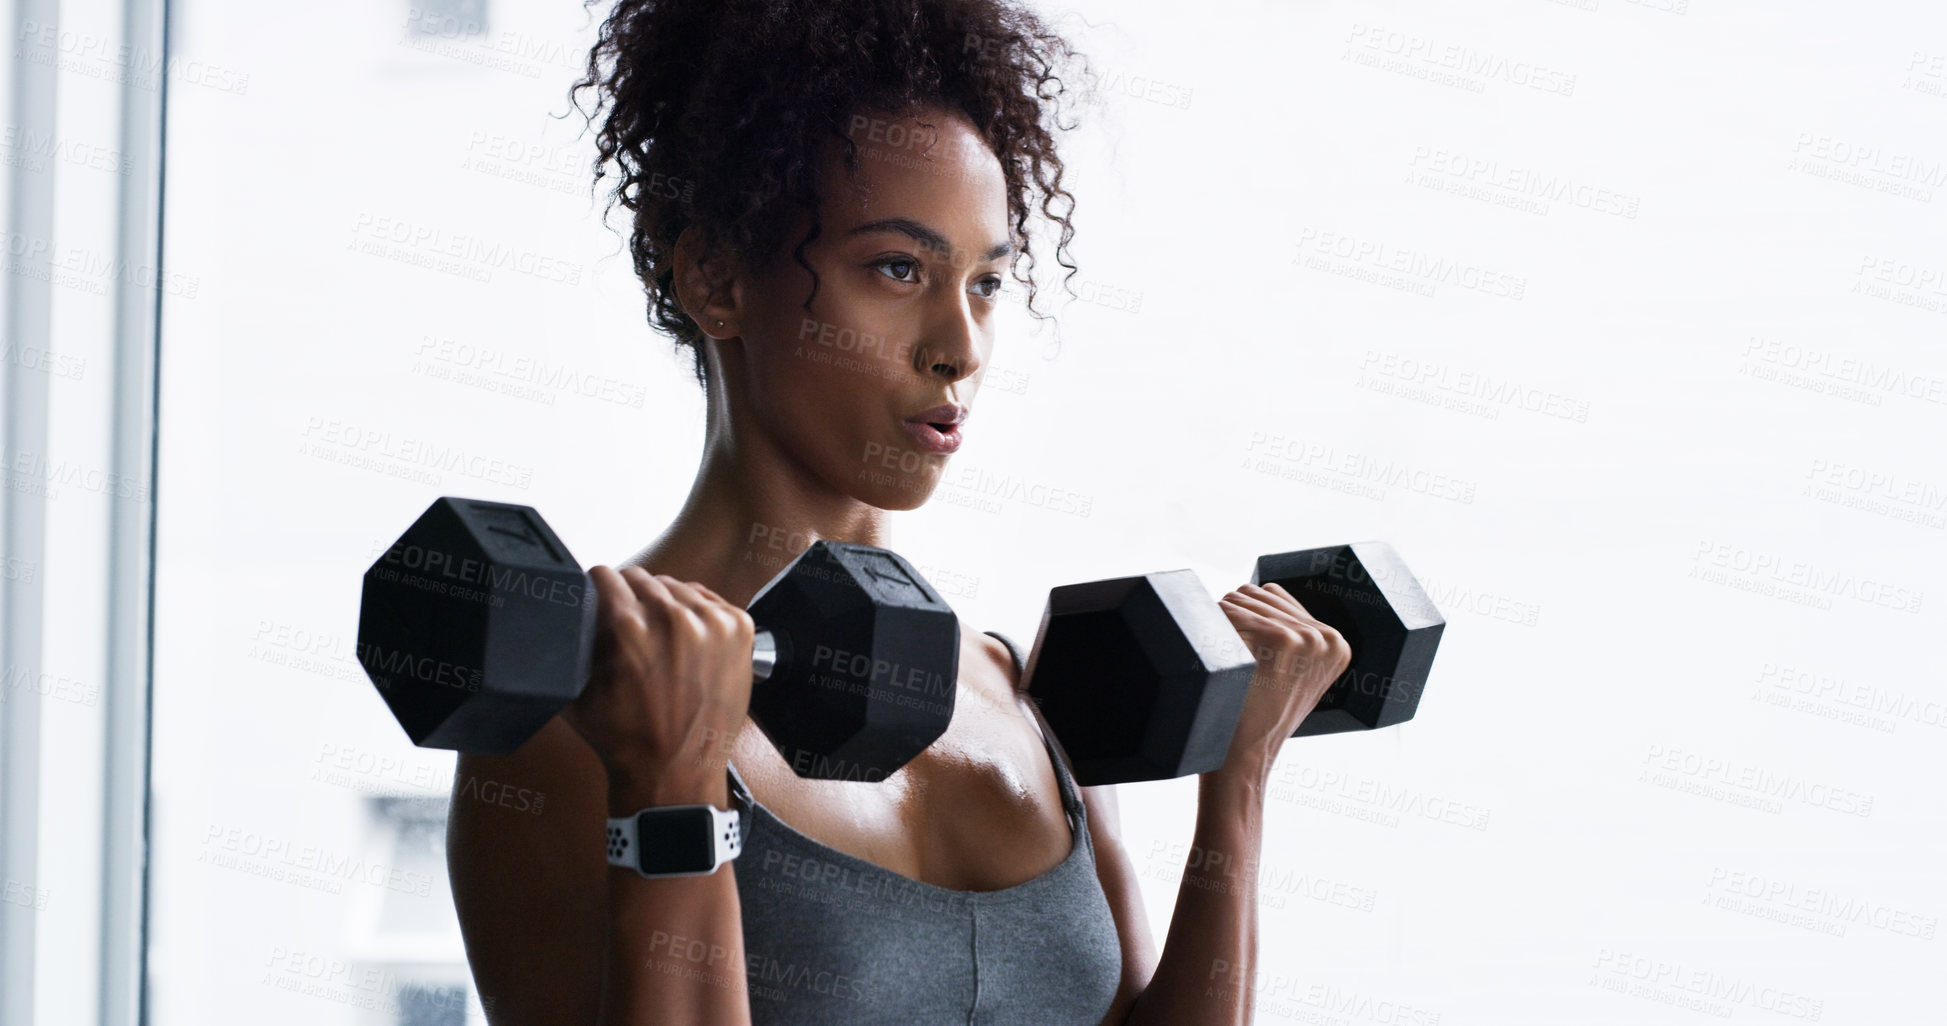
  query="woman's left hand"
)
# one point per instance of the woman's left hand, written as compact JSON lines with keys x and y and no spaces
{"x":1298,"y":658}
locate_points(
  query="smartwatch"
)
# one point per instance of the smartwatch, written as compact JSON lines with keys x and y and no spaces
{"x":675,"y":840}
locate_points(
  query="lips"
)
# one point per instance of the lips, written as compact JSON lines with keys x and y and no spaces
{"x":944,"y":415}
{"x":936,"y":430}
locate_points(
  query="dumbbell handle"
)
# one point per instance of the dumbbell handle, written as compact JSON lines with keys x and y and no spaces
{"x":763,"y":654}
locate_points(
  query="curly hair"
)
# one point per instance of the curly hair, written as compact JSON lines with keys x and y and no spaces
{"x":718,"y":108}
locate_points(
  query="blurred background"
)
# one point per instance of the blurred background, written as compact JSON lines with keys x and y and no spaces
{"x":1620,"y":319}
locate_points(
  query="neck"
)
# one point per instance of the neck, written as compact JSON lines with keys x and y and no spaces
{"x":751,"y":509}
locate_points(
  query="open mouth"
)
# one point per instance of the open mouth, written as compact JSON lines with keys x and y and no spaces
{"x":934,"y":436}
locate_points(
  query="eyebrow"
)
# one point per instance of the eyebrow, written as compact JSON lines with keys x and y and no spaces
{"x":924,"y":235}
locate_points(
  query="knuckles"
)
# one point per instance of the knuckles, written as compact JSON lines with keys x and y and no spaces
{"x":639,"y":612}
{"x":1299,"y":636}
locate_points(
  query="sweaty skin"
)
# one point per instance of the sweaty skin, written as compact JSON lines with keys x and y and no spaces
{"x":804,"y":440}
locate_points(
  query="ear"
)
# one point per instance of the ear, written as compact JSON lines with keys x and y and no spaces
{"x":709,"y":285}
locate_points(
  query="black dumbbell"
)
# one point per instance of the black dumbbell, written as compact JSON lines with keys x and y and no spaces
{"x":476,"y":627}
{"x":1364,"y":591}
{"x":1143,"y":678}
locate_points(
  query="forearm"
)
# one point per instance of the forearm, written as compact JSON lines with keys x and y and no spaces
{"x":1203,"y":976}
{"x":675,"y":945}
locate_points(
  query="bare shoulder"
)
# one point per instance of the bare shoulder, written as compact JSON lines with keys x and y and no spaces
{"x":996,"y":655}
{"x":524,"y":854}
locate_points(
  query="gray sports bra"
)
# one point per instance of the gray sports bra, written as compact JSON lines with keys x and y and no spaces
{"x":832,"y":939}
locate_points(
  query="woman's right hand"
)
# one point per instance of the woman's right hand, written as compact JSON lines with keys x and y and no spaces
{"x":668,"y":686}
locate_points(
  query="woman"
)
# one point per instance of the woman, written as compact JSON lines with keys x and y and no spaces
{"x":827,"y":198}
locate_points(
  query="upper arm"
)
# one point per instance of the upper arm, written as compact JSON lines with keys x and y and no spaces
{"x":1118,"y":875}
{"x":529,"y":878}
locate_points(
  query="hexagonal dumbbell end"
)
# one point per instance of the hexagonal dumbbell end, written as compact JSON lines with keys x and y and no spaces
{"x":1141,"y":678}
{"x":476,"y":626}
{"x":1365,"y":592}
{"x":867,"y":659}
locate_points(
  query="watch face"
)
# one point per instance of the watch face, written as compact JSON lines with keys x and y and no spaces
{"x":675,"y":840}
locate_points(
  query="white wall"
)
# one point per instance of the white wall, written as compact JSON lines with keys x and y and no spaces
{"x":1663,"y":442}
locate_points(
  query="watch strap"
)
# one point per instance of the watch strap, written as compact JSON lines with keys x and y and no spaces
{"x":625,"y":841}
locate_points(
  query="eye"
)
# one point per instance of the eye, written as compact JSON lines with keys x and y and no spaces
{"x":991,"y":284}
{"x":899,"y":262}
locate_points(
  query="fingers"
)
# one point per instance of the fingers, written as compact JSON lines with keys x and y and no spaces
{"x":661,"y":592}
{"x":707,"y":593}
{"x":650,"y":589}
{"x":1283,"y":614}
{"x":669,"y":603}
{"x":610,"y":589}
{"x":1250,"y":622}
{"x":1275,"y":594}
{"x":1262,"y":626}
{"x":1259,"y":635}
{"x":1246,"y":600}
{"x":1276,"y":617}
{"x":711,"y":607}
{"x":615,"y":596}
{"x":685,"y":594}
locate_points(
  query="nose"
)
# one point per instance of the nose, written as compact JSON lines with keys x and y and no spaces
{"x":951,"y":346}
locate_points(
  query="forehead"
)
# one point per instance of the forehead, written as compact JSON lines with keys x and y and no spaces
{"x":931,"y":166}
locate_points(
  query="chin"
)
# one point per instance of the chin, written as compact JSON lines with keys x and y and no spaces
{"x":896,"y":499}
{"x":890,"y":489}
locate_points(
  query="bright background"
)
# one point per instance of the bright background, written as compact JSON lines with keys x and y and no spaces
{"x":1620,"y":320}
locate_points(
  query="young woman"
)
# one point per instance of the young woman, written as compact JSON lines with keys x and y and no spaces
{"x":827,"y":198}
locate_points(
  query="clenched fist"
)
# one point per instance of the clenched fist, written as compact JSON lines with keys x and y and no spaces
{"x":669,"y":684}
{"x":1298,"y":658}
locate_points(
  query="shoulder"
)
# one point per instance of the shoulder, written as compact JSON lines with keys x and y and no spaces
{"x":995,"y":652}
